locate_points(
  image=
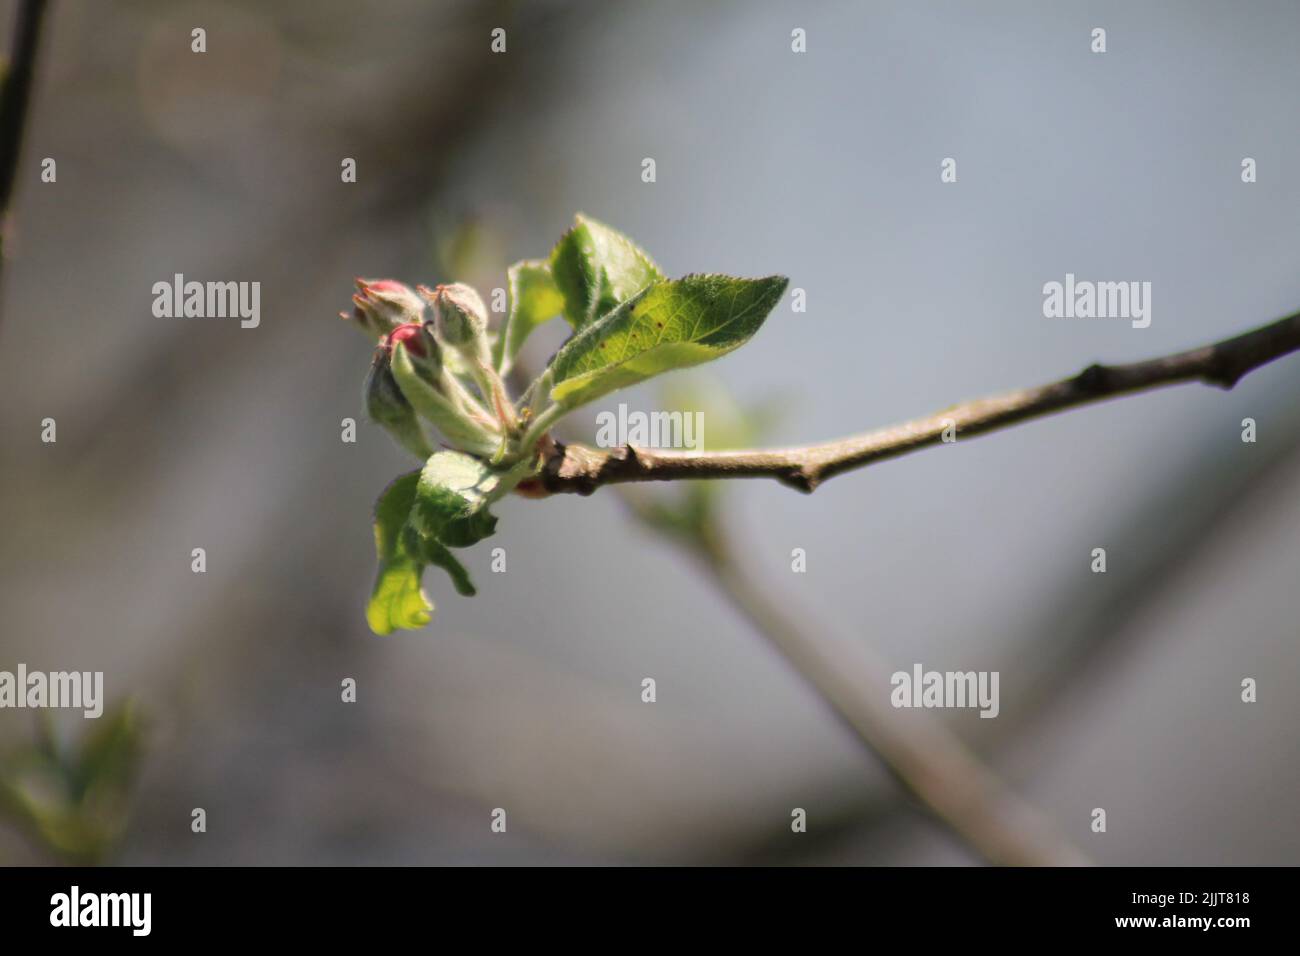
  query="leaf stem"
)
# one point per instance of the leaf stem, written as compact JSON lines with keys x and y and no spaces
{"x":526,"y":398}
{"x":539,"y":427}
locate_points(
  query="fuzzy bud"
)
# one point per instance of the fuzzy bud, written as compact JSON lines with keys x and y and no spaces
{"x":425,"y":353}
{"x":411,"y":335}
{"x":459,"y":316}
{"x":381,"y":305}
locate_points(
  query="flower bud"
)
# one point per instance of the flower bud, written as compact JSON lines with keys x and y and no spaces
{"x":389,"y":407}
{"x":426,"y":356}
{"x":460,"y":316}
{"x":410,"y":334}
{"x":380,"y":305}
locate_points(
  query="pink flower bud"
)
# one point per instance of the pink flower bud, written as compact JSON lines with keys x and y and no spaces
{"x":381,"y":305}
{"x":425,"y":354}
{"x":412,"y":334}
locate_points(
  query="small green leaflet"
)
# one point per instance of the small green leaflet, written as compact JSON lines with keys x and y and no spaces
{"x":673,"y":324}
{"x":396,"y":600}
{"x":417,"y":519}
{"x":595,"y":268}
{"x":451,"y":499}
{"x":534,"y":299}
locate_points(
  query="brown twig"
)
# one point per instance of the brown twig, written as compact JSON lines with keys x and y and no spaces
{"x":580,"y":469}
{"x":13,"y":103}
{"x":928,"y":760}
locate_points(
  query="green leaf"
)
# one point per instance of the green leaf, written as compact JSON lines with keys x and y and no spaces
{"x":595,"y":268}
{"x":673,"y":324}
{"x":432,"y":552}
{"x":452,"y":497}
{"x":396,"y":600}
{"x":534,"y":299}
{"x":418,"y":517}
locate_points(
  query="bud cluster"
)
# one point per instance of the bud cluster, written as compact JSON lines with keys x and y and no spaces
{"x":434,"y":371}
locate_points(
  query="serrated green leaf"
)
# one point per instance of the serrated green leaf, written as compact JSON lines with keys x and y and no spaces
{"x":673,"y":324}
{"x":397,"y":600}
{"x":534,"y":299}
{"x":595,"y":268}
{"x":418,"y":517}
{"x":451,"y":499}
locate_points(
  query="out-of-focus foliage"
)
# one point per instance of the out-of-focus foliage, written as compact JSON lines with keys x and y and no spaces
{"x":74,"y":799}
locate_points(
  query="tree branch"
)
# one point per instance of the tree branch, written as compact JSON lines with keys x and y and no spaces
{"x":580,"y":469}
{"x":921,"y":753}
{"x":13,"y":103}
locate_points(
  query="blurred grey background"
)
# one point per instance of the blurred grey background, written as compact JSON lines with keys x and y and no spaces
{"x":1119,"y":690}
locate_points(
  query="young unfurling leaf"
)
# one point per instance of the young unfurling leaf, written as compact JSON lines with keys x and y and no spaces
{"x":397,"y":600}
{"x":534,"y":299}
{"x":672,"y":324}
{"x":595,"y":268}
{"x":451,"y":499}
{"x":417,"y":519}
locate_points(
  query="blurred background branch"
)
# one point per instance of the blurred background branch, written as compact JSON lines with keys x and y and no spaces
{"x":927,"y":760}
{"x":18,"y":75}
